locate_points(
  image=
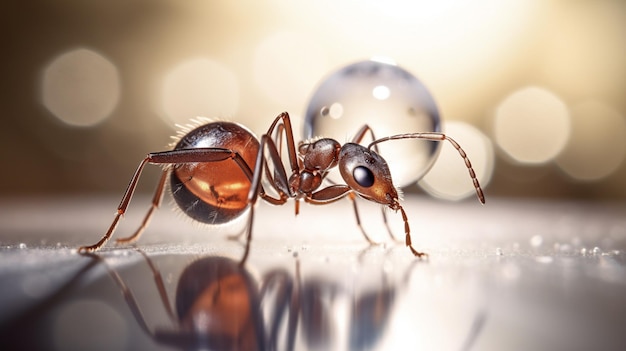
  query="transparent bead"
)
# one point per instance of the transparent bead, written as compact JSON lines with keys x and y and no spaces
{"x":387,"y":98}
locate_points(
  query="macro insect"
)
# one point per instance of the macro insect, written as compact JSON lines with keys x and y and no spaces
{"x":216,"y":172}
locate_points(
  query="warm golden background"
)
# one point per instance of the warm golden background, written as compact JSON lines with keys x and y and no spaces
{"x":89,"y":87}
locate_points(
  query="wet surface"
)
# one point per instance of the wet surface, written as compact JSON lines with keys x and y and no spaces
{"x":508,"y":275}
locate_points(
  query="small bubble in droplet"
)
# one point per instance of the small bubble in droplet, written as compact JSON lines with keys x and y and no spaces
{"x":22,"y":246}
{"x":536,"y":240}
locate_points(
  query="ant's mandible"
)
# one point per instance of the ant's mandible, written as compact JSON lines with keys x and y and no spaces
{"x":215,"y":173}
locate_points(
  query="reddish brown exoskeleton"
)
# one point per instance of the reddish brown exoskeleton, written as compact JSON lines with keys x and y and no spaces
{"x":216,"y":170}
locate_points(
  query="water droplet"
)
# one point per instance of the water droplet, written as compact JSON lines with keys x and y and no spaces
{"x":597,"y":251}
{"x":22,"y":246}
{"x":387,"y":98}
{"x":499,"y":252}
{"x":583,"y":251}
{"x":536,"y":240}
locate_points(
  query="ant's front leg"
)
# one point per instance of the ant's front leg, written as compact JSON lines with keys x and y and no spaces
{"x":334,"y":193}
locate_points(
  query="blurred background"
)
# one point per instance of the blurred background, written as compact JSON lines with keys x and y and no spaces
{"x":534,"y":90}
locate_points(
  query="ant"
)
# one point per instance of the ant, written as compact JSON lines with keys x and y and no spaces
{"x":215,"y":173}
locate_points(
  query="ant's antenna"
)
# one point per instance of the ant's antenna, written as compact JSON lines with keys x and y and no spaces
{"x":439,"y":137}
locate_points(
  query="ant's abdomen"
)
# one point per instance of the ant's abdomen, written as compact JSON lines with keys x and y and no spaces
{"x":214,"y":192}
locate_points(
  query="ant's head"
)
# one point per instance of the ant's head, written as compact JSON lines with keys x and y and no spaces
{"x":367,"y":173}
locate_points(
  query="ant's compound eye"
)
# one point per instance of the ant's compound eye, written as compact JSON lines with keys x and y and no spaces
{"x":363,"y":176}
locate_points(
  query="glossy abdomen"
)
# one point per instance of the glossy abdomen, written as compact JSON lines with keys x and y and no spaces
{"x":214,"y":192}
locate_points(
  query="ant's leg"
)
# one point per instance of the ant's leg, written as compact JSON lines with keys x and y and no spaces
{"x":358,"y":219}
{"x":156,"y":202}
{"x":407,"y":230}
{"x":358,"y":137}
{"x":291,"y":144}
{"x":336,"y":192}
{"x":121,"y":209}
{"x":168,"y":157}
{"x":391,"y":235}
{"x":279,"y":182}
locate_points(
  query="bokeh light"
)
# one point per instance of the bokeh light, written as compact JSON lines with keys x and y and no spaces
{"x":199,"y":87}
{"x":532,"y":125}
{"x":80,"y":87}
{"x":582,"y":48}
{"x":598,"y":143}
{"x":448,"y":178}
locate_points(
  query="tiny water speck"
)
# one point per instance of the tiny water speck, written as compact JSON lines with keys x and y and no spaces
{"x":499,"y":252}
{"x":597,"y":251}
{"x":22,"y":246}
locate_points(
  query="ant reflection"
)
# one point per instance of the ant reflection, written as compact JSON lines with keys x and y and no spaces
{"x":220,"y":306}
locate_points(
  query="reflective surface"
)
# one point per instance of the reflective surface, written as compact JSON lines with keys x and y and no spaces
{"x":507,"y":275}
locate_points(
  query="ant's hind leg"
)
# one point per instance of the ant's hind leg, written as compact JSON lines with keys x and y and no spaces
{"x":156,"y":202}
{"x":121,"y":209}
